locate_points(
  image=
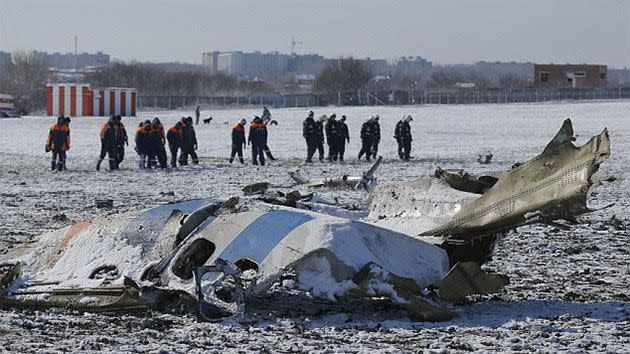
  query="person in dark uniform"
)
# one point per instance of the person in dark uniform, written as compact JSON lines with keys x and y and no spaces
{"x":143,"y":143}
{"x":158,"y":142}
{"x":174,"y":138}
{"x":342,"y":138}
{"x":320,"y":137}
{"x":309,"y":132}
{"x":332,"y":132}
{"x":266,"y":115}
{"x":366,"y":140}
{"x":108,"y":144}
{"x":189,"y":142}
{"x":121,"y":140}
{"x":58,"y":142}
{"x":238,"y":140}
{"x":376,"y":135}
{"x":197,"y":114}
{"x":258,"y":139}
{"x":402,"y":133}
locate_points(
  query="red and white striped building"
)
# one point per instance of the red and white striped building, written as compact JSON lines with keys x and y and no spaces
{"x":6,"y":103}
{"x":77,"y":100}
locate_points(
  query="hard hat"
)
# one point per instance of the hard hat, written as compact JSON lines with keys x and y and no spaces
{"x":333,"y":115}
{"x":375,"y":116}
{"x":242,"y":121}
{"x":407,"y":118}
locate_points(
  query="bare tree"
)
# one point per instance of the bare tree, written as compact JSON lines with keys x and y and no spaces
{"x":25,"y":79}
{"x":344,"y":74}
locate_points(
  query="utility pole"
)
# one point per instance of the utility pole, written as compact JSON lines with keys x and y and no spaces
{"x":76,"y":58}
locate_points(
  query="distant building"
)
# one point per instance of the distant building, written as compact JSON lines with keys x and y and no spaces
{"x":256,"y":63}
{"x":412,"y":65}
{"x":73,"y":61}
{"x":5,"y":60}
{"x":240,"y":63}
{"x":376,"y":66}
{"x":570,"y":75}
{"x":309,"y":64}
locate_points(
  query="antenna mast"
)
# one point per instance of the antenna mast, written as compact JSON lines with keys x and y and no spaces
{"x":294,"y":43}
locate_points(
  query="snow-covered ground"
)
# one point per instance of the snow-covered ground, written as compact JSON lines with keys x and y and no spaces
{"x":568,"y":291}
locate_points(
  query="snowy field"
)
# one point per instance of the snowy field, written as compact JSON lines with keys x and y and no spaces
{"x":568,"y":291}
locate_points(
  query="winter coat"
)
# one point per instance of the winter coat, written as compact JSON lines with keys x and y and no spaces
{"x":238,"y":135}
{"x":143,"y":140}
{"x":309,"y":129}
{"x":174,"y":137}
{"x":376,"y":131}
{"x":58,"y":137}
{"x":402,"y":131}
{"x":332,"y":131}
{"x":108,"y":135}
{"x":343,"y":132}
{"x":257,"y":134}
{"x":366,"y":131}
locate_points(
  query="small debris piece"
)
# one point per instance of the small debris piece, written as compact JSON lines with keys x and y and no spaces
{"x":104,"y":203}
{"x":256,"y":188}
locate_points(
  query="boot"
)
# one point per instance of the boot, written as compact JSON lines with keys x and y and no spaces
{"x":231,"y":159}
{"x":53,"y":165}
{"x":241,"y":159}
{"x":59,"y":166}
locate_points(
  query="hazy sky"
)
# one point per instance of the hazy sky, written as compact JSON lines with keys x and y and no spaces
{"x":443,"y":31}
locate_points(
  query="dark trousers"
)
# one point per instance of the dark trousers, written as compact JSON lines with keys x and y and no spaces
{"x":268,"y":152}
{"x":404,"y":149}
{"x":341,"y":149}
{"x":237,"y":149}
{"x":320,"y":149}
{"x":374,"y":148}
{"x":160,"y":154}
{"x":58,"y":160}
{"x":258,"y":154}
{"x":173,"y":149}
{"x":120,"y":155}
{"x":183,"y":158}
{"x":366,"y":148}
{"x":112,"y":156}
{"x":333,"y":150}
{"x":310,"y":149}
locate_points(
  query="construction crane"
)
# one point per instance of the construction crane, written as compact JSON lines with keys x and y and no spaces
{"x":294,"y":43}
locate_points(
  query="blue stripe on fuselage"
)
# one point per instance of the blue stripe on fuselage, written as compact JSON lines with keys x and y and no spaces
{"x":257,"y":240}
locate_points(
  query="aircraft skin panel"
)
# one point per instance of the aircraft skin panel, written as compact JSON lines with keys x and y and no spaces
{"x":260,"y":237}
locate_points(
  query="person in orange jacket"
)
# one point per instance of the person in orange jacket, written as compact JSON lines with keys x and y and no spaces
{"x":258,"y":139}
{"x":238,"y":140}
{"x":174,"y":137}
{"x":158,"y":140}
{"x":108,"y":144}
{"x":143,"y":143}
{"x":59,"y":142}
{"x":189,"y":142}
{"x":121,"y":140}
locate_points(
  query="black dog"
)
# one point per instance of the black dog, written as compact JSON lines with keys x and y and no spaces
{"x":207,"y":120}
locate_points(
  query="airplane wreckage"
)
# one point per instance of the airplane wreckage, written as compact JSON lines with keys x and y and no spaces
{"x":208,"y":256}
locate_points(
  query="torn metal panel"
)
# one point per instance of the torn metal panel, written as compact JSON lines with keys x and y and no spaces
{"x":366,"y":181}
{"x":465,"y":182}
{"x":551,"y":186}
